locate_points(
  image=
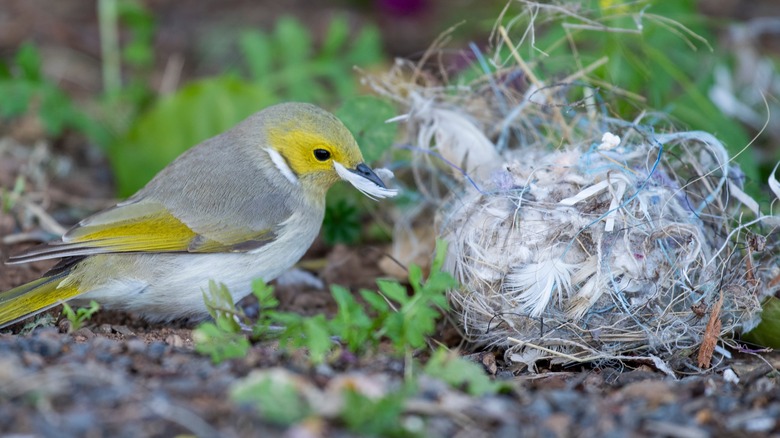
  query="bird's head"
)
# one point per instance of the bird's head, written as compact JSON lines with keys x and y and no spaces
{"x":312,"y":148}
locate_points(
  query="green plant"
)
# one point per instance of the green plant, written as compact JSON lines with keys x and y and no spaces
{"x":287,"y":64}
{"x":79,"y":316}
{"x":221,"y":339}
{"x":277,"y":399}
{"x":282,"y":398}
{"x":124,"y":98}
{"x":25,"y":90}
{"x":342,"y":222}
{"x":460,"y":373}
{"x":391,"y":313}
{"x":767,"y":333}
{"x":8,"y":199}
{"x":405,"y":320}
{"x":368,"y":416}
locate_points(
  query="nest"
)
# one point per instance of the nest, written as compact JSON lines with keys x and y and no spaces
{"x":578,"y":236}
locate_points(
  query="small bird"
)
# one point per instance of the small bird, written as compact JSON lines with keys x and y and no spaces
{"x":243,"y":205}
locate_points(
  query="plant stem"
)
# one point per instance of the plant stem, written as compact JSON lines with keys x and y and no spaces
{"x":108,"y":16}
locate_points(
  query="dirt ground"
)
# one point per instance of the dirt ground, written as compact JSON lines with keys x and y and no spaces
{"x":120,"y":376}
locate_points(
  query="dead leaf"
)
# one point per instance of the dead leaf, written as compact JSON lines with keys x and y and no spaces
{"x":711,"y":335}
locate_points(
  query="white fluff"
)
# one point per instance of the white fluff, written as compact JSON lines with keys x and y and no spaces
{"x":609,"y":141}
{"x":368,"y":188}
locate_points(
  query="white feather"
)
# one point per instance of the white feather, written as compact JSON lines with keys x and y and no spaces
{"x":365,"y":186}
{"x":280,"y":164}
{"x":537,"y":283}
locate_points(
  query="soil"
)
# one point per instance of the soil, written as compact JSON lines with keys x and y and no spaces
{"x":120,"y":376}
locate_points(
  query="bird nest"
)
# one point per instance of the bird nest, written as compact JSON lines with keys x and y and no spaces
{"x":577,"y":236}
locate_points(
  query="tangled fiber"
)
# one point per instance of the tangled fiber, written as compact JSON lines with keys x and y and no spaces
{"x":578,"y":236}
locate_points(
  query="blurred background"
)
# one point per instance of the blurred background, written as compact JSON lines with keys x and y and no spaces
{"x":121,"y":87}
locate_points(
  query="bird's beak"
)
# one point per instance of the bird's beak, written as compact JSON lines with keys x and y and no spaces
{"x":365,"y":180}
{"x":363,"y":170}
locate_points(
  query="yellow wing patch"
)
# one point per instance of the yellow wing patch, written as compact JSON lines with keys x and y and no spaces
{"x":145,"y":227}
{"x":160,"y":231}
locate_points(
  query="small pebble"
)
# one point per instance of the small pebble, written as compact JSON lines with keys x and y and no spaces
{"x":83,"y":334}
{"x":157,"y":349}
{"x":135,"y":346}
{"x":174,"y":341}
{"x":45,"y":346}
{"x":32,"y":360}
{"x":63,"y":325}
{"x":123,"y":330}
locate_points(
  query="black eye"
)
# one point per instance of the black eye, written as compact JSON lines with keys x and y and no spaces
{"x":321,"y":154}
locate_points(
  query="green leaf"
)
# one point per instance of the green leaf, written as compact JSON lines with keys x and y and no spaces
{"x":5,"y":71}
{"x":336,"y":38}
{"x":277,"y":400}
{"x":351,"y":323}
{"x":258,"y":54}
{"x":368,"y":416}
{"x":342,"y":222}
{"x":365,"y":117}
{"x":264,"y":294}
{"x":219,"y":344}
{"x":376,"y":301}
{"x":460,"y":373}
{"x":366,"y":49}
{"x":55,"y":110}
{"x":767,"y":333}
{"x":440,"y":256}
{"x":316,"y":338}
{"x":79,"y":316}
{"x":219,"y":303}
{"x":393,"y":290}
{"x":28,"y":60}
{"x":17,"y":95}
{"x":415,"y":278}
{"x":294,"y":41}
{"x":439,"y":282}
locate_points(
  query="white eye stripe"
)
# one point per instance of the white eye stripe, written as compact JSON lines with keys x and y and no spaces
{"x":365,"y":186}
{"x":281,"y":164}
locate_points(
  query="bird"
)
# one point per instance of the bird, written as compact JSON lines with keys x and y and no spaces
{"x":243,"y":205}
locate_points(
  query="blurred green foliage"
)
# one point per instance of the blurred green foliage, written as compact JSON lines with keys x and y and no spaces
{"x":24,"y":89}
{"x":279,"y":401}
{"x":767,"y":333}
{"x":288,"y":64}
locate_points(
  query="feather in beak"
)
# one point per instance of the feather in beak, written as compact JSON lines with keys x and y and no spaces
{"x":365,"y":180}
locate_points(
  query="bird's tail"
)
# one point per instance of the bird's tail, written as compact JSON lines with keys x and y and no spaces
{"x":35,"y":297}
